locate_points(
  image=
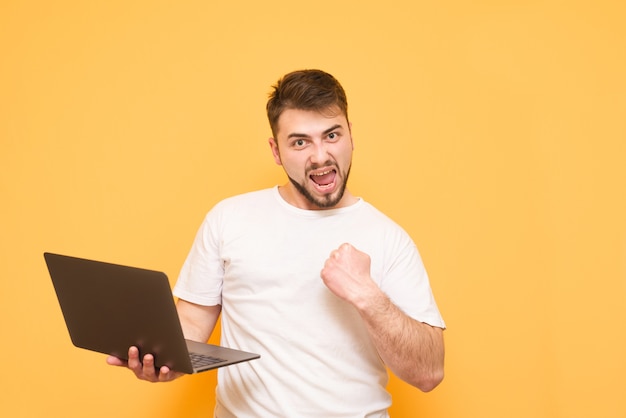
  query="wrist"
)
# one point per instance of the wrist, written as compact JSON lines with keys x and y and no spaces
{"x":372,"y":301}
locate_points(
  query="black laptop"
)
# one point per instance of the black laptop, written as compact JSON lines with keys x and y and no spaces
{"x":109,"y":308}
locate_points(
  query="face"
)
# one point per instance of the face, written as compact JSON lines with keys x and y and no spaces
{"x":315,"y":150}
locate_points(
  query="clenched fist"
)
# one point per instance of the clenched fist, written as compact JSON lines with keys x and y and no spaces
{"x":347,"y":274}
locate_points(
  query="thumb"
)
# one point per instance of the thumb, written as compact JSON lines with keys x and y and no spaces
{"x":115,"y":361}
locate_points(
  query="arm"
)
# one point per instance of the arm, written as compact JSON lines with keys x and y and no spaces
{"x":197,"y":322}
{"x":414,"y":351}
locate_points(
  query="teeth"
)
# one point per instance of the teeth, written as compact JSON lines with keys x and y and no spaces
{"x":323,"y":174}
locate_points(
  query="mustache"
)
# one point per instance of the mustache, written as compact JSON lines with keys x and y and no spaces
{"x":328,"y":163}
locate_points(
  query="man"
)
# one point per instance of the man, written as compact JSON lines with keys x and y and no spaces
{"x":325,"y":287}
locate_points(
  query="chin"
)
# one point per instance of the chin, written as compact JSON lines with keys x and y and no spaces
{"x":325,"y":201}
{"x":320,"y":201}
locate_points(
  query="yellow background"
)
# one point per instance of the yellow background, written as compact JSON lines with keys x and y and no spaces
{"x":493,"y":131}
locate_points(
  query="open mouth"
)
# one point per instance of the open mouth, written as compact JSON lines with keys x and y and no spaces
{"x":324,"y":180}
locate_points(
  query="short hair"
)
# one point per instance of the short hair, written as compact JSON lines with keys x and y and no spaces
{"x":305,"y":90}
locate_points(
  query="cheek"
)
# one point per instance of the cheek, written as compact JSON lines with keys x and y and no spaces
{"x":345,"y":157}
{"x":293,"y":165}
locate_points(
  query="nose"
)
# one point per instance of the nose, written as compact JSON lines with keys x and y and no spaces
{"x":320,"y":154}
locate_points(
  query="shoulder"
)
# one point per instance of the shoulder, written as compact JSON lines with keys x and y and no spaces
{"x":245,"y":200}
{"x":237,"y":211}
{"x":383,"y":227}
{"x":370,"y":211}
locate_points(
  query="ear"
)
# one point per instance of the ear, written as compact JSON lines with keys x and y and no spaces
{"x":274,"y":147}
{"x":351,"y":138}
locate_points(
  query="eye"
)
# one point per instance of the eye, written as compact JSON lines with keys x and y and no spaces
{"x":299,"y":142}
{"x":333,"y":135}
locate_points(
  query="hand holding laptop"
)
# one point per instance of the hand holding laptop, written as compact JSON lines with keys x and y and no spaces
{"x":144,"y":370}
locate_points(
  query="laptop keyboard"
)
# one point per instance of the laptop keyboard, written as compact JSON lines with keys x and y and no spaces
{"x":201,"y":360}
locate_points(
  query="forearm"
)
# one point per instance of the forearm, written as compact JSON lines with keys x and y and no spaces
{"x":414,"y":351}
{"x":197,"y":321}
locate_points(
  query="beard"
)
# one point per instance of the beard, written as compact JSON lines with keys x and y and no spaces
{"x":326,"y":201}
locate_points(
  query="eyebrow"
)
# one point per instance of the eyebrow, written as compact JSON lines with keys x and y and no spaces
{"x":326,"y":132}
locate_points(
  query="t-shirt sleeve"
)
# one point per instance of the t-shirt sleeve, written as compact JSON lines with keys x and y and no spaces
{"x":406,"y":283}
{"x":201,"y":277}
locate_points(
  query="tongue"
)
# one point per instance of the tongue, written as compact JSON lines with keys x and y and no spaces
{"x":325,"y":179}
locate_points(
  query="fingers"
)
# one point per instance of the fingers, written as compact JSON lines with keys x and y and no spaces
{"x":133,"y":361}
{"x":147,"y":371}
{"x":165,"y":374}
{"x":144,"y":368}
{"x":337,"y":253}
{"x":345,"y":247}
{"x":335,"y":257}
{"x":344,"y":255}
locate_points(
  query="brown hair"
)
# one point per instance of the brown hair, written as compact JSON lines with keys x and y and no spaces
{"x":305,"y":90}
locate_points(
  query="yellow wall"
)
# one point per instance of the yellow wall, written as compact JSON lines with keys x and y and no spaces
{"x":493,"y":131}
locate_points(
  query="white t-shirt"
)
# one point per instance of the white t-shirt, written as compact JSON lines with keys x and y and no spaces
{"x":261,"y":258}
